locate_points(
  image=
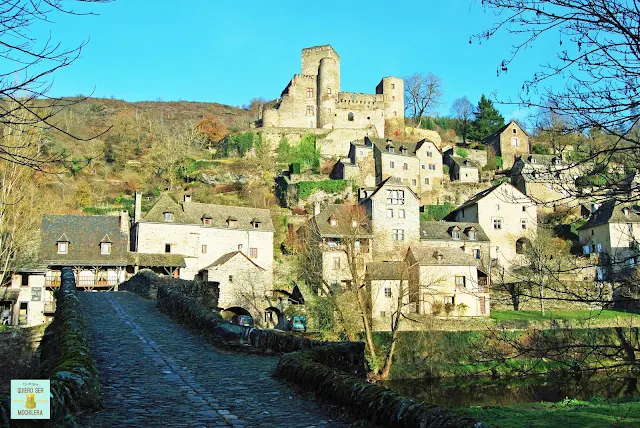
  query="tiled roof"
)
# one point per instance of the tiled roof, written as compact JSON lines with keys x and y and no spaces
{"x":394,"y":270}
{"x":612,"y":211}
{"x":226,"y":257}
{"x":428,"y":255}
{"x":441,"y":231}
{"x":344,"y":214}
{"x":501,"y":130}
{"x":156,"y":260}
{"x":84,"y":234}
{"x":220,"y":215}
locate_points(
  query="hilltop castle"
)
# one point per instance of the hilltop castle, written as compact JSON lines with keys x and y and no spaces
{"x":313,"y":99}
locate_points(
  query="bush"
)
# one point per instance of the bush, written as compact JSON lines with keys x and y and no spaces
{"x":436,"y":308}
{"x":306,"y":188}
{"x":436,"y":212}
{"x":303,"y":153}
{"x":449,"y":308}
{"x":463,"y":153}
{"x":445,"y":169}
{"x":539,"y":149}
{"x":462,"y":309}
{"x":237,"y":144}
{"x":499,"y":162}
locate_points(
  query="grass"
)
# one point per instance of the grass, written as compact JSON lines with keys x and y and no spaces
{"x":597,"y":315}
{"x":596,"y":412}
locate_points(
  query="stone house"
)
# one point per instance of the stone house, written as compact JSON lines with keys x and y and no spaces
{"x":442,"y":278}
{"x":464,"y":170}
{"x":394,"y":212}
{"x":333,"y":235}
{"x":386,"y":279}
{"x":313,"y":99}
{"x":26,"y":300}
{"x":468,"y":237}
{"x":510,"y":142}
{"x":508,"y":218}
{"x":204,"y":234}
{"x":545,"y":179}
{"x":612,"y":236}
{"x":96,"y":247}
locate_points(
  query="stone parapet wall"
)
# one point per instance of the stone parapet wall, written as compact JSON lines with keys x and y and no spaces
{"x":66,"y":359}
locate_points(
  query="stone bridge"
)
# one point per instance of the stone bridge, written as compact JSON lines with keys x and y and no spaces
{"x":156,"y":373}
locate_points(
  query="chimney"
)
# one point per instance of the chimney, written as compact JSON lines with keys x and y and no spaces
{"x":187,"y":198}
{"x":239,"y":247}
{"x":137,"y":211}
{"x":316,"y":208}
{"x":124,"y":222}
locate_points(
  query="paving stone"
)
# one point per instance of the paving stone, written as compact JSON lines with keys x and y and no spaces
{"x":156,"y":373}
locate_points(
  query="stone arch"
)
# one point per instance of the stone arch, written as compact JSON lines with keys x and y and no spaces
{"x":522,"y":244}
{"x":275,"y":318}
{"x":350,"y":117}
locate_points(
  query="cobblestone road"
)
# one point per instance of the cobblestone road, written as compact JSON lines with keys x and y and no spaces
{"x":156,"y":373}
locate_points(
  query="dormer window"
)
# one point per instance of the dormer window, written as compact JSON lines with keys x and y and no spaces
{"x":390,"y":149}
{"x":256,"y":223}
{"x":354,"y":224}
{"x":625,"y":211}
{"x":472,"y":235}
{"x":455,"y":232}
{"x":333,"y":221}
{"x":105,"y":248}
{"x":232,"y":222}
{"x":63,"y":247}
{"x":207,"y":221}
{"x":168,"y":216}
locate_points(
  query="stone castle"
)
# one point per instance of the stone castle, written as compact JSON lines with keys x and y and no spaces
{"x":313,"y":99}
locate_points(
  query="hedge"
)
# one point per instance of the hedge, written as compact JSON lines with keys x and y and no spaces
{"x":306,"y":188}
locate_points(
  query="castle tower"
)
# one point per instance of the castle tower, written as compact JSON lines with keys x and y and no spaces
{"x":328,"y":88}
{"x":393,"y":90}
{"x":311,"y":59}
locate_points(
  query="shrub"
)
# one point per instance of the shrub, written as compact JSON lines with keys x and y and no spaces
{"x":436,"y":308}
{"x":499,"y":162}
{"x":237,"y":144}
{"x":306,"y":188}
{"x":449,"y":308}
{"x":445,"y":169}
{"x":294,"y":168}
{"x":463,"y":153}
{"x":462,"y":309}
{"x":436,"y":212}
{"x":539,"y":149}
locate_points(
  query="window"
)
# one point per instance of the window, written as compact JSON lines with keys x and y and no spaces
{"x":405,"y":166}
{"x":393,"y":86}
{"x":455,"y":234}
{"x":401,"y":213}
{"x":383,"y":314}
{"x":390,"y":149}
{"x":387,"y":292}
{"x":350,"y":117}
{"x":395,"y":197}
{"x":389,"y":212}
{"x":429,"y":154}
{"x":336,"y":263}
{"x":167,"y":248}
{"x":398,"y":234}
{"x":333,"y":222}
{"x":309,"y":111}
{"x":105,"y":248}
{"x":523,"y":223}
{"x":472,"y":235}
{"x":476,"y":253}
{"x":253,"y":253}
{"x":524,"y":209}
{"x":497,"y":207}
{"x":230,"y":278}
{"x":413,"y":182}
{"x":354,"y":223}
{"x":204,"y":249}
{"x":460,"y":281}
{"x":426,"y":180}
{"x":24,"y":280}
{"x":356,"y":246}
{"x":391,"y":164}
{"x":168,"y":216}
{"x":497,"y":223}
{"x":309,"y":92}
{"x":432,"y":167}
{"x":599,"y":247}
{"x":63,"y":247}
{"x":514,"y":131}
{"x":514,"y":142}
{"x":207,"y":221}
{"x":449,"y":300}
{"x":423,"y":166}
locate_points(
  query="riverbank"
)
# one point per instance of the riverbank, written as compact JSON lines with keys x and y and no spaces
{"x":596,"y":412}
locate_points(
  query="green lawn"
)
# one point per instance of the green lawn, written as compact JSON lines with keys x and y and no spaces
{"x":604,"y":315}
{"x":594,"y":413}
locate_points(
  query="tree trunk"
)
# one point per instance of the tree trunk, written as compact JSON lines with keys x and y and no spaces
{"x":515,"y":297}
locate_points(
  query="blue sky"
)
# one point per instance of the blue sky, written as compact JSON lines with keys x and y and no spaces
{"x":230,"y":52}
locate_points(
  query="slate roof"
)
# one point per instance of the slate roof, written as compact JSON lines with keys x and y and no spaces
{"x":226,"y":257}
{"x":193,"y":213}
{"x":393,"y":270}
{"x":343,"y":214}
{"x":441,"y":231}
{"x":501,"y":130}
{"x":391,"y":181}
{"x":412,"y":148}
{"x":427,"y":255}
{"x":465,"y":163}
{"x":475,"y":198}
{"x":156,"y":260}
{"x":84,"y":234}
{"x":611,"y":211}
{"x":536,"y":159}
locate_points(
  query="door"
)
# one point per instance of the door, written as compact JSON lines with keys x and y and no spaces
{"x":23,"y":313}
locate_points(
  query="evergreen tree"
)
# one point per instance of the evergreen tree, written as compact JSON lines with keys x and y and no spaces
{"x":487,"y":120}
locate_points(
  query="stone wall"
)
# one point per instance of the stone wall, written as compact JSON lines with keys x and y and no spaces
{"x":66,"y":359}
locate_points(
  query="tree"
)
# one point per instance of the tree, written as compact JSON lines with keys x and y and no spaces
{"x":593,"y":81}
{"x":211,"y":129}
{"x":24,"y":100}
{"x":462,"y":109}
{"x":423,"y":93}
{"x":487,"y":119}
